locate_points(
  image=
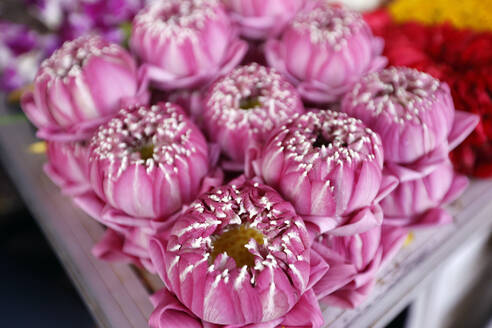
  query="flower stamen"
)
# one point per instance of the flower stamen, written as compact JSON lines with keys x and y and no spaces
{"x":233,"y":242}
{"x":146,"y":151}
{"x":250,"y":102}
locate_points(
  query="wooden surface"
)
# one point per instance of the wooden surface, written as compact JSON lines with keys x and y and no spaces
{"x":117,"y":294}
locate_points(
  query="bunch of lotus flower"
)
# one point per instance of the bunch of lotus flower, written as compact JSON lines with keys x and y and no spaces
{"x":215,"y":172}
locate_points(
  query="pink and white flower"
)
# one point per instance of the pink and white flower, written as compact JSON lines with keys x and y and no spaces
{"x":242,"y":108}
{"x":239,"y":255}
{"x":74,"y":90}
{"x":262,"y":19}
{"x":415,"y":117}
{"x":147,"y":162}
{"x":185,"y":43}
{"x":329,"y":165}
{"x":411,"y":111}
{"x":68,"y":166}
{"x":325,"y":51}
{"x":418,"y":202}
{"x":354,"y":263}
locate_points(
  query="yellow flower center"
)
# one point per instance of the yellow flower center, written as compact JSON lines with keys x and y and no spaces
{"x":233,"y":243}
{"x":249,"y":102}
{"x":146,"y":151}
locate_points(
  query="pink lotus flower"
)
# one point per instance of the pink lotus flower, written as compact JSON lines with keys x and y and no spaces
{"x":354,"y":262}
{"x":170,"y":312}
{"x":325,"y":51}
{"x":411,"y":111}
{"x":241,"y":108}
{"x":185,"y":43}
{"x":329,"y":166}
{"x":147,"y":162}
{"x":74,"y":90}
{"x":261,"y":19}
{"x":415,"y":117}
{"x":68,"y":166}
{"x":417,"y":202}
{"x":239,"y":255}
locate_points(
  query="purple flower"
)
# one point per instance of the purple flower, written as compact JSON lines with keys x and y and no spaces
{"x":71,"y":19}
{"x":185,"y":43}
{"x":261,"y":19}
{"x":74,"y":90}
{"x":329,"y":166}
{"x":325,"y":51}
{"x":243,"y":107}
{"x":239,"y":255}
{"x":148,"y":161}
{"x":21,"y":51}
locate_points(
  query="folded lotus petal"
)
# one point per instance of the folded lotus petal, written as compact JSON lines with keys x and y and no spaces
{"x":241,"y":108}
{"x":306,"y":313}
{"x":123,"y":243}
{"x":392,"y":239}
{"x":189,"y":100}
{"x":368,"y":274}
{"x":339,"y":275}
{"x":360,"y":221}
{"x":214,"y":179}
{"x":422,"y":167}
{"x":110,"y":248}
{"x":255,"y":28}
{"x":431,"y":191}
{"x":318,"y":269}
{"x":94,"y":206}
{"x":464,"y":124}
{"x":354,"y":260}
{"x":169,"y":312}
{"x":434,"y":217}
{"x":239,"y":255}
{"x":74,"y":88}
{"x":326,"y":163}
{"x":234,"y":55}
{"x":367,"y":253}
{"x":411,"y":111}
{"x":68,"y":166}
{"x":318,"y":93}
{"x":147,"y":162}
{"x":388,"y":184}
{"x":185,"y":43}
{"x":326,"y":50}
{"x":318,"y":224}
{"x":262,"y":19}
{"x":275,"y":57}
{"x":348,"y":298}
{"x":458,"y":186}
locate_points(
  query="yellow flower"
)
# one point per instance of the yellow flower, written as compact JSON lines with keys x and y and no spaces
{"x":474,"y":14}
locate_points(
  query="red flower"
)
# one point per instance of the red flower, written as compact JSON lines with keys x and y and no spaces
{"x":463,"y":59}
